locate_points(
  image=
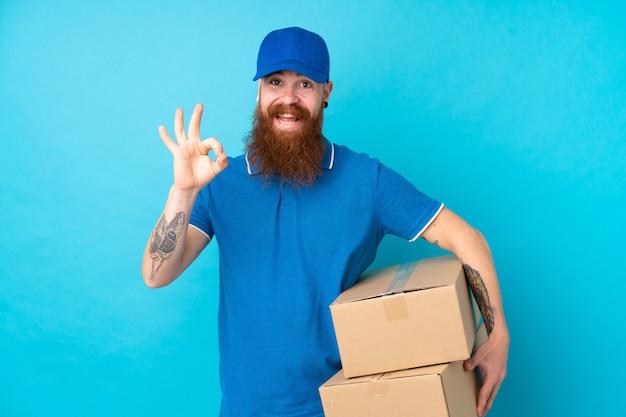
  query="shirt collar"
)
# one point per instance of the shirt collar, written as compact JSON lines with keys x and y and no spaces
{"x":328,"y":161}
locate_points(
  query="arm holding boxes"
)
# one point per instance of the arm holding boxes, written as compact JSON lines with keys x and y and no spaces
{"x":452,"y":233}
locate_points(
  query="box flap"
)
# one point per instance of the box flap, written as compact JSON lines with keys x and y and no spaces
{"x":426,"y":273}
{"x":415,"y":372}
{"x":461,"y":390}
{"x":340,"y":379}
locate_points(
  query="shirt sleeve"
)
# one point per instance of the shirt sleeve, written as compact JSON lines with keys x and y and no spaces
{"x":403,"y":210}
{"x":200,"y":213}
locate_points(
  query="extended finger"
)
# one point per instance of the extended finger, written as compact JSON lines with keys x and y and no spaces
{"x":179,"y":125}
{"x":194,"y":123}
{"x":487,"y":394}
{"x":167,"y":140}
{"x":483,"y":396}
{"x":492,"y":396}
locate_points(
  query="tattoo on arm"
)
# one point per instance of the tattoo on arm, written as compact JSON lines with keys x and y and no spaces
{"x":481,"y":295}
{"x":164,"y":240}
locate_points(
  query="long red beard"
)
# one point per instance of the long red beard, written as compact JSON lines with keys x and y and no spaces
{"x":286,"y":157}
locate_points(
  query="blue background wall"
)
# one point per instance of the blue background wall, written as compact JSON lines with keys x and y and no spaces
{"x":511,"y":112}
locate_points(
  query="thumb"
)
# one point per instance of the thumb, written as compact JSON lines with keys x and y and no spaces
{"x":469,"y":365}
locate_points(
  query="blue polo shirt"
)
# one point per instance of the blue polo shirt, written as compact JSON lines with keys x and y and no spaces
{"x":285,"y":255}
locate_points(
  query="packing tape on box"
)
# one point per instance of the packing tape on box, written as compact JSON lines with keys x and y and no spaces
{"x":378,"y":389}
{"x":394,"y":303}
{"x":395,"y":307}
{"x":401,"y":277}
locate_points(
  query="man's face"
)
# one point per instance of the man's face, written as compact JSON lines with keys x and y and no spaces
{"x":288,"y":88}
{"x":286,"y":143}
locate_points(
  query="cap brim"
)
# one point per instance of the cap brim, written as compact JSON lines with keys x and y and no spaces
{"x":291,"y":65}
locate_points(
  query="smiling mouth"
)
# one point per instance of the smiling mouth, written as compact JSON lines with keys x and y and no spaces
{"x":287,"y":120}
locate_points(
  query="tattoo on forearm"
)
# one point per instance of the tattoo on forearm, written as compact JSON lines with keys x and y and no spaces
{"x":164,"y":240}
{"x":481,"y":295}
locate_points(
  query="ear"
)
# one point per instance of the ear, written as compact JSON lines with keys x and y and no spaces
{"x":327,"y":89}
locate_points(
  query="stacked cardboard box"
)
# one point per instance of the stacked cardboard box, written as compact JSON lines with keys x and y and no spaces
{"x":403,"y":333}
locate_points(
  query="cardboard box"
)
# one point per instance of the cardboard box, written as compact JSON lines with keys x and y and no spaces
{"x":435,"y":391}
{"x":445,"y":390}
{"x":405,"y":316}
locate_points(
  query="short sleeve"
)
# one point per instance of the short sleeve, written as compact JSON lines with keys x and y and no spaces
{"x":200,"y":218}
{"x":404,"y":210}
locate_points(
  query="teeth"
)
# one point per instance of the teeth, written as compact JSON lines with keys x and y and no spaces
{"x":287,"y":120}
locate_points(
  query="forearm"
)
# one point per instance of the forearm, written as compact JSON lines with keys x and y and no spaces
{"x":166,"y":254}
{"x":452,"y":233}
{"x":482,"y":278}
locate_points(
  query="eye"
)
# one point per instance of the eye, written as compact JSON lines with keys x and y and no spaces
{"x":306,"y":84}
{"x":274,"y":81}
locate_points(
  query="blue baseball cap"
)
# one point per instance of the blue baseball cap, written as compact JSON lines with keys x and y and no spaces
{"x":294,"y":49}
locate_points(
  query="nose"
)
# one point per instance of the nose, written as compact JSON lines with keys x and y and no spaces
{"x":289,"y":95}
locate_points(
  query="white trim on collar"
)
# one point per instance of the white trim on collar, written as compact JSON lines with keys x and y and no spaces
{"x":332,"y":156}
{"x":248,"y":165}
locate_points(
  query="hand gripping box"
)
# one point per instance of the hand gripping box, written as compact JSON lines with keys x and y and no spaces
{"x":445,"y":390}
{"x":405,"y":316}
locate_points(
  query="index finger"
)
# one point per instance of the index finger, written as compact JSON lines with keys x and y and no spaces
{"x":213,"y":145}
{"x":487,"y":394}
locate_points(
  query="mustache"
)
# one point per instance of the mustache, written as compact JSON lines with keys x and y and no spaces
{"x":294,"y":109}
